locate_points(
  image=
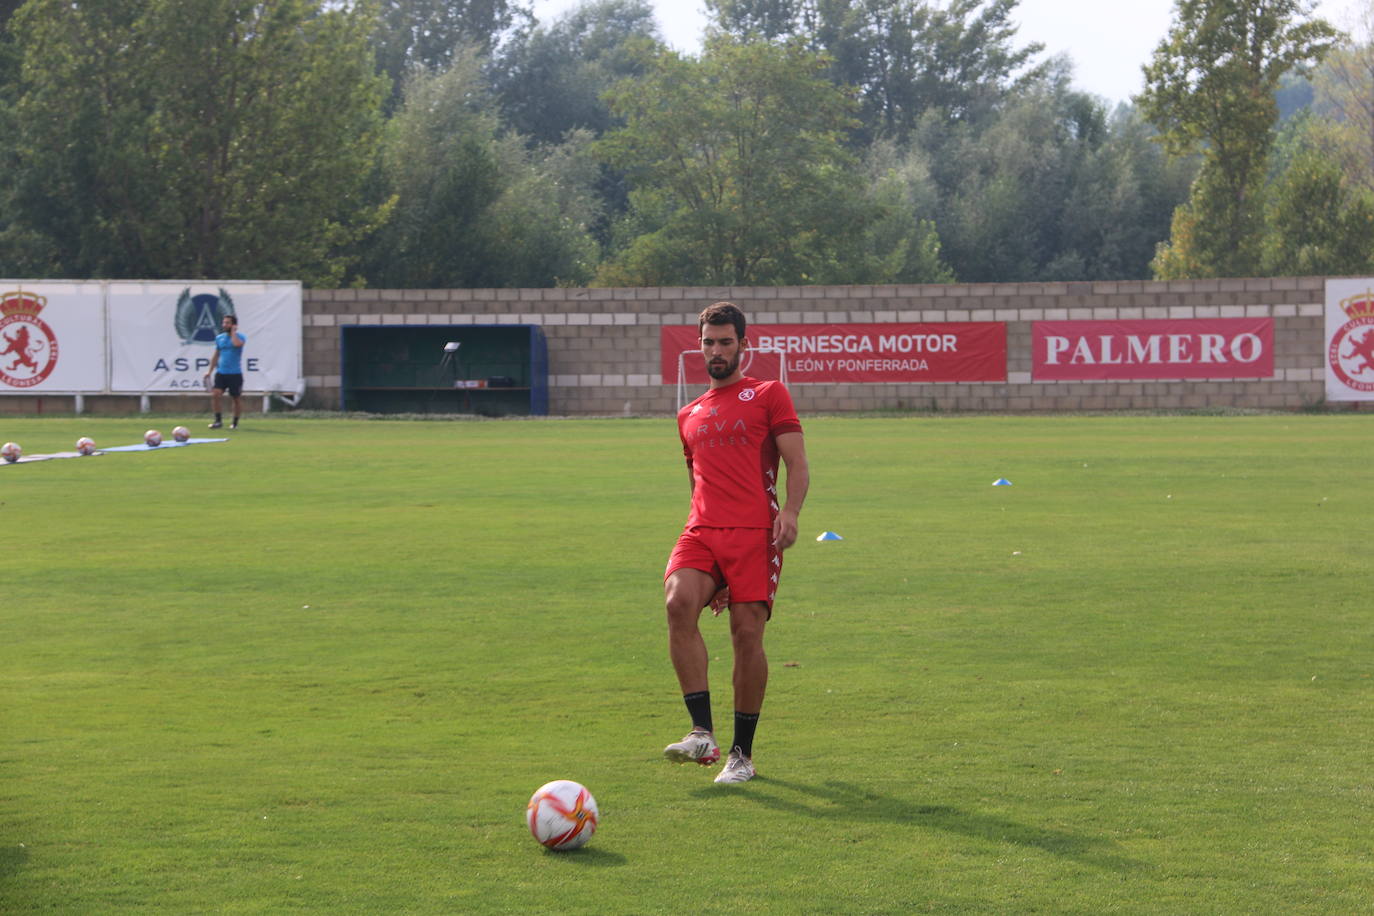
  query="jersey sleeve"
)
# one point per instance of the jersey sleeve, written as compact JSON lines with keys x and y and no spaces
{"x":782,"y":415}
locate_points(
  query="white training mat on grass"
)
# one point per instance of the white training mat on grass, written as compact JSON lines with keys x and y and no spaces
{"x":140,"y":447}
{"x":144,"y":447}
{"x":27,"y":458}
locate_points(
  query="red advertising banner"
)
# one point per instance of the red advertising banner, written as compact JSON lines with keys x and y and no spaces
{"x":965,"y":351}
{"x":1215,"y":348}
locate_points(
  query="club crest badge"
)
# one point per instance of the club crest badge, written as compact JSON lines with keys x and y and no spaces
{"x":747,"y":394}
{"x":28,"y":346}
{"x":198,"y":317}
{"x":1351,"y":353}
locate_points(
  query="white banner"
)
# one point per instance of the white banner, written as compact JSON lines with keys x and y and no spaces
{"x":162,"y":335}
{"x":1350,"y":340}
{"x":52,"y":337}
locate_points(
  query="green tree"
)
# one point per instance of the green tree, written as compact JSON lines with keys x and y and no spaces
{"x":896,"y":248}
{"x":71,"y":139}
{"x":1318,"y":221}
{"x":904,"y":57}
{"x":1210,"y":85}
{"x":739,"y":171}
{"x":766,"y":19}
{"x":9,"y":74}
{"x":474,"y":205}
{"x":551,"y":80}
{"x":1121,"y":203}
{"x":902,"y":243}
{"x":1344,"y":93}
{"x":426,"y":34}
{"x":192,"y":138}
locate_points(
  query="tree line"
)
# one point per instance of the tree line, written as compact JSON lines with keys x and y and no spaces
{"x":464,"y":143}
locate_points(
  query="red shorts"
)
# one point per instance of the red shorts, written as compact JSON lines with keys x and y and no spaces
{"x":742,"y":558}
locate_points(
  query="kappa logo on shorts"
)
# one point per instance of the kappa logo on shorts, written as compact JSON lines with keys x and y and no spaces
{"x":747,"y":394}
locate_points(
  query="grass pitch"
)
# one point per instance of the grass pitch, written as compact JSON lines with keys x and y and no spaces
{"x":322,"y":667}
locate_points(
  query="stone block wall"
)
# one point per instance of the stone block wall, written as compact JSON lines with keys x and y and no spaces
{"x":604,"y":343}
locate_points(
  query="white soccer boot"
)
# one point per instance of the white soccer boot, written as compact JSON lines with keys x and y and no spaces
{"x":697,"y":747}
{"x":738,"y":768}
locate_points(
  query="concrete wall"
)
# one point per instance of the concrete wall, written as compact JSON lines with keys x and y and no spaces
{"x":604,"y":343}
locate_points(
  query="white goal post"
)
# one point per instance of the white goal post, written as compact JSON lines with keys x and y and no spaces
{"x":764,"y":369}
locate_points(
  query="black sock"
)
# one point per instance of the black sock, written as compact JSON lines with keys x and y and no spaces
{"x":218,"y":418}
{"x":699,"y":708}
{"x":745,"y":723}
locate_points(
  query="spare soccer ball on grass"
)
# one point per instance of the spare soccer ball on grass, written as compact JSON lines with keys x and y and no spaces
{"x":153,"y":438}
{"x":10,"y":451}
{"x":181,"y":434}
{"x":85,"y":445}
{"x":562,"y":814}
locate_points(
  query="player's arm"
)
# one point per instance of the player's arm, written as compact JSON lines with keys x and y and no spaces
{"x":214,"y":361}
{"x":234,"y":337}
{"x":792,"y":449}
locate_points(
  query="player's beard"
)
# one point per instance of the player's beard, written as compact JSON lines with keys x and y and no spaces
{"x":722,"y":370}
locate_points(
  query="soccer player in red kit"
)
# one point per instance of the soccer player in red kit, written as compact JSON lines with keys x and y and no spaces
{"x":730,"y":553}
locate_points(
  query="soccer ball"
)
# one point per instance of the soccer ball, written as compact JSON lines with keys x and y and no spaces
{"x":562,"y":814}
{"x":85,"y":445}
{"x":10,"y":451}
{"x":181,"y":434}
{"x":153,"y":438}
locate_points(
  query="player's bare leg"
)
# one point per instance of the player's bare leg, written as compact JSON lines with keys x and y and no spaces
{"x":216,"y":396}
{"x":747,"y":622}
{"x":686,"y":594}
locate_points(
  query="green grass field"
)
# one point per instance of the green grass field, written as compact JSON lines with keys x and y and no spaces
{"x":323,"y":666}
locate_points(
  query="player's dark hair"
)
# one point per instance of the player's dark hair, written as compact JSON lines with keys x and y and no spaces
{"x":233,"y":318}
{"x":722,"y":313}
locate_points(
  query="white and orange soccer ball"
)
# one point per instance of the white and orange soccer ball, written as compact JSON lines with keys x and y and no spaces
{"x":181,"y":434}
{"x":85,"y":445}
{"x":11,"y":452}
{"x":152,"y":438}
{"x":562,"y":814}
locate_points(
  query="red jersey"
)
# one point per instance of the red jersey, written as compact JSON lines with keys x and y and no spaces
{"x":729,"y":436}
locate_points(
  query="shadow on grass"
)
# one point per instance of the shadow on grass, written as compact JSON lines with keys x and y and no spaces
{"x":833,"y":800}
{"x":12,"y":858}
{"x":588,"y":857}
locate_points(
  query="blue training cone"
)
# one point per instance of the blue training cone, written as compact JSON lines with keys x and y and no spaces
{"x":829,"y":536}
{"x":1001,"y":482}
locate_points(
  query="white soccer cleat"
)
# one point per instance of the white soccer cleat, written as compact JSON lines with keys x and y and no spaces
{"x":738,"y":768}
{"x":697,"y":747}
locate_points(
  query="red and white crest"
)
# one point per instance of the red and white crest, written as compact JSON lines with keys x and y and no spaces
{"x":28,"y":346}
{"x":1351,"y":353}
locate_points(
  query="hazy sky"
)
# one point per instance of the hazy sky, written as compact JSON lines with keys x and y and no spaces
{"x":1106,"y":55}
